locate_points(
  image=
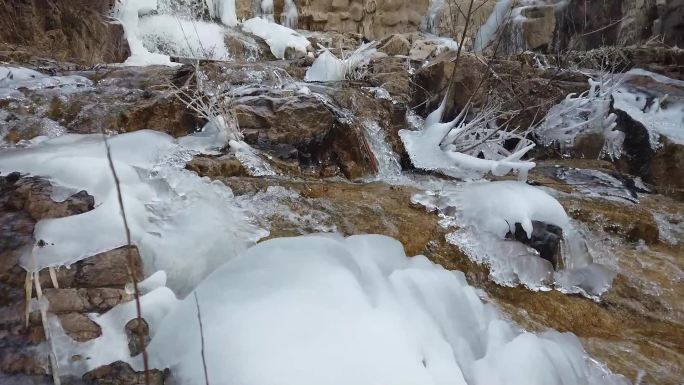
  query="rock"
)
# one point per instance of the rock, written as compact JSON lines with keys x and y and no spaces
{"x":539,"y":27}
{"x":138,"y":334}
{"x":670,"y":22}
{"x":108,"y":269}
{"x":121,"y":373}
{"x":73,"y":300}
{"x":225,"y":166}
{"x":422,"y":50}
{"x":374,"y":19}
{"x":546,"y":239}
{"x":79,"y":327}
{"x":666,"y":170}
{"x":395,"y":45}
{"x":64,"y":29}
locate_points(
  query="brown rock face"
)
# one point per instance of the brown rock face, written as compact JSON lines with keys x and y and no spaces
{"x":374,"y":19}
{"x":666,"y":170}
{"x":120,"y":373}
{"x":67,"y":30}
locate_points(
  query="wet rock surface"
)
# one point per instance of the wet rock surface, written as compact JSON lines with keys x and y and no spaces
{"x":95,"y":284}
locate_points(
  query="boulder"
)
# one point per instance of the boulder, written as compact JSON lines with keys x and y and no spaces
{"x":546,"y":239}
{"x":395,"y":45}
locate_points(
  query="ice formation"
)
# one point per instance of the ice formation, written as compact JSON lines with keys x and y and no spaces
{"x":328,"y":68}
{"x":224,"y":10}
{"x":290,"y":17}
{"x":13,"y":78}
{"x":128,"y":13}
{"x":489,"y":29}
{"x":453,"y":148}
{"x":485,"y":212}
{"x":329,"y":310}
{"x":587,"y":113}
{"x":278,"y":37}
{"x":388,"y":167}
{"x":170,"y":35}
{"x":661,"y":115}
{"x":181,"y":223}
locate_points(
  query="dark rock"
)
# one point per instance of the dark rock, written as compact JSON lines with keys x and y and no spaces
{"x":138,"y":334}
{"x":121,"y":373}
{"x":666,"y":170}
{"x":12,"y":177}
{"x":546,"y":239}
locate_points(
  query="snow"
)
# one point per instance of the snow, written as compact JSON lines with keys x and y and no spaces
{"x":278,"y":37}
{"x":484,"y":212}
{"x":181,"y":223}
{"x":331,"y":310}
{"x":436,"y":146}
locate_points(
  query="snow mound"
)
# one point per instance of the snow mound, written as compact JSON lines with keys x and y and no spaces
{"x":486,"y":212}
{"x":278,"y":37}
{"x":329,"y":310}
{"x":181,"y":223}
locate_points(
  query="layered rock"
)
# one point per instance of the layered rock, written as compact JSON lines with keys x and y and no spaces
{"x":77,"y":31}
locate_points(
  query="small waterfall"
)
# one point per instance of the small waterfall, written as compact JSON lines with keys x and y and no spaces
{"x":489,"y":29}
{"x":387,"y":161}
{"x":290,"y":17}
{"x":266,"y":10}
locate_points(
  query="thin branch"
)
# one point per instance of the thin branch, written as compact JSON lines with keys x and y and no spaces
{"x":129,"y":262}
{"x":199,"y":320}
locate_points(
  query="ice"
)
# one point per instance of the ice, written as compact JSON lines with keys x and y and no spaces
{"x":331,"y":310}
{"x":659,"y":115}
{"x":485,"y":212}
{"x":290,"y":17}
{"x":437,"y":146}
{"x":587,"y":113}
{"x":171,"y":35}
{"x":223,"y":10}
{"x":278,"y":37}
{"x":489,"y":29}
{"x":328,"y":68}
{"x":112,"y":344}
{"x":387,"y":161}
{"x":181,"y":223}
{"x":128,"y":12}
{"x":13,"y":78}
